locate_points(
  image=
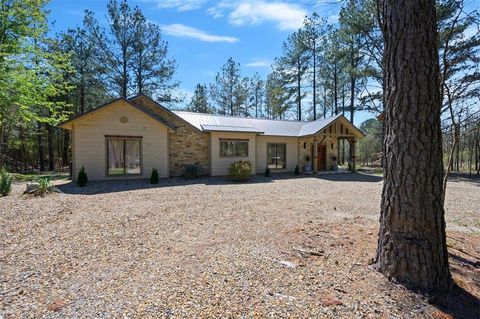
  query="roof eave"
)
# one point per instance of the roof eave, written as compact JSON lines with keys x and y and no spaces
{"x":68,"y":125}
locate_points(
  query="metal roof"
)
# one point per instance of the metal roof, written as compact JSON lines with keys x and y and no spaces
{"x":226,"y":128}
{"x":213,"y":122}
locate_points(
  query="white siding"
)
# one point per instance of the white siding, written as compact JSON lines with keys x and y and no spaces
{"x":261,"y":152}
{"x":220,"y":165}
{"x":90,"y":144}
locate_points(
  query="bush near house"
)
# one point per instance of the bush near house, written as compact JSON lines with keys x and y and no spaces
{"x":154,"y":178}
{"x":297,"y":170}
{"x":240,"y":171}
{"x":192,"y":171}
{"x":5,"y":182}
{"x":82,"y":178}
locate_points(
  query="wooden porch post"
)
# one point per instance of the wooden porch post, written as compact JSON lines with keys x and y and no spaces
{"x":315,"y":156}
{"x":354,"y":142}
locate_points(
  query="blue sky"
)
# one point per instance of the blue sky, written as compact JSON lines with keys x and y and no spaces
{"x":203,"y":34}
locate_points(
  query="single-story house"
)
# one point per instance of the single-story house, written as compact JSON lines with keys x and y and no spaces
{"x":127,"y":138}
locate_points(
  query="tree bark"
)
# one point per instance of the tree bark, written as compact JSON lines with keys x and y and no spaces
{"x":66,"y":143}
{"x":314,"y":80}
{"x":51,"y":150}
{"x":299,"y":89}
{"x":41,"y":148}
{"x":412,"y":246}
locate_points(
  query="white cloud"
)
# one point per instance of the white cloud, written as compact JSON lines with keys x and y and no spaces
{"x":258,"y":63}
{"x":287,"y":16}
{"x":180,"y":5}
{"x":183,"y":31}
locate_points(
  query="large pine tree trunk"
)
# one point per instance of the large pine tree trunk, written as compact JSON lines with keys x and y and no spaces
{"x":412,"y":243}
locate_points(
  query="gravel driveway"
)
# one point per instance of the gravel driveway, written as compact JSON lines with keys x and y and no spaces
{"x":287,"y":246}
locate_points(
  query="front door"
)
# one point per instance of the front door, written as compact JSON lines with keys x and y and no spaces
{"x":322,"y":157}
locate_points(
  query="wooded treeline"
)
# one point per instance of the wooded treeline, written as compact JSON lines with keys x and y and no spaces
{"x":324,"y":69}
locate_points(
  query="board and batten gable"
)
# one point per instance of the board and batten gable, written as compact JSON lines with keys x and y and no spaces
{"x":187,"y":144}
{"x":291,"y":154}
{"x":89,"y":140}
{"x":219,"y":165}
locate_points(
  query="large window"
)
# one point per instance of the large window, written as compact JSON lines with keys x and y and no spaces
{"x":277,"y":156}
{"x":124,"y":156}
{"x":233,"y":148}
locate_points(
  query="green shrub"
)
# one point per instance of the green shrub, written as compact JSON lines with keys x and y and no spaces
{"x":154,"y":176}
{"x":297,"y":170}
{"x":44,"y":186}
{"x":240,"y":171}
{"x":82,"y":178}
{"x":5,"y":182}
{"x":267,"y":172}
{"x":192,"y":171}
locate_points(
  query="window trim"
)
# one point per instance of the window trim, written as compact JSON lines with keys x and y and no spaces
{"x":123,"y":138}
{"x":220,"y":140}
{"x":281,"y":168}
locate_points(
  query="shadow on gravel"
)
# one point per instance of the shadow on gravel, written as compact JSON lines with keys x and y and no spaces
{"x":351,"y":177}
{"x":102,"y":187}
{"x":464,"y":177}
{"x":458,"y":304}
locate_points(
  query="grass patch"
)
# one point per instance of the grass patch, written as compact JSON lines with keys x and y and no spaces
{"x":32,"y":176}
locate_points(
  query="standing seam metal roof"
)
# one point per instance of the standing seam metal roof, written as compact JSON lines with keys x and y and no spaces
{"x":212,"y":122}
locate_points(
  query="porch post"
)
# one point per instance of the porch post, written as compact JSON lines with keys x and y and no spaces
{"x":315,"y":155}
{"x":354,"y":142}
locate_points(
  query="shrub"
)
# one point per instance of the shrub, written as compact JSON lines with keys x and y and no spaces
{"x":154,"y":176}
{"x":192,"y":171}
{"x":297,"y":170}
{"x":240,"y":171}
{"x":5,"y":182}
{"x":82,"y":178}
{"x":267,"y":172}
{"x":44,"y":186}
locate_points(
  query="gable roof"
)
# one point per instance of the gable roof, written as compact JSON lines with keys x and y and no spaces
{"x":67,"y":124}
{"x":139,"y":98}
{"x":204,"y":122}
{"x":213,"y":122}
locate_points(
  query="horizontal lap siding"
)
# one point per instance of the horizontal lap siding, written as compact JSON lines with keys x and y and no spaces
{"x":220,"y":165}
{"x":261,"y":152}
{"x":90,"y":148}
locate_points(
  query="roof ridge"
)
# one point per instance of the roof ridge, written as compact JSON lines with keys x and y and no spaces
{"x":241,"y":117}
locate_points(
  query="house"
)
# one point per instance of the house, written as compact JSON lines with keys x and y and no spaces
{"x":127,"y":138}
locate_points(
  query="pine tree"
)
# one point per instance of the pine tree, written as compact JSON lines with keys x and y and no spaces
{"x":89,"y":90}
{"x":257,"y":95}
{"x":314,"y":30}
{"x":412,"y":246}
{"x":292,"y":66}
{"x":153,"y":70}
{"x":199,"y":102}
{"x":230,"y":90}
{"x":275,"y":96}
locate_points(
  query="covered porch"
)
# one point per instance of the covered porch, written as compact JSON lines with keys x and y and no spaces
{"x":324,"y":151}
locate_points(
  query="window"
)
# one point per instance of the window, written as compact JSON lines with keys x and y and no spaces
{"x":277,"y":156}
{"x":124,"y":156}
{"x":231,"y":148}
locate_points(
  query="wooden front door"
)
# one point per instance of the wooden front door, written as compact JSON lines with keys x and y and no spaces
{"x":322,"y":157}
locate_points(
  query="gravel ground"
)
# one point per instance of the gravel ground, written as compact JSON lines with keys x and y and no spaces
{"x":293,"y":247}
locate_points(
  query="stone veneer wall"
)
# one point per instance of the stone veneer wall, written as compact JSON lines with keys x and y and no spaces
{"x":187,"y":145}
